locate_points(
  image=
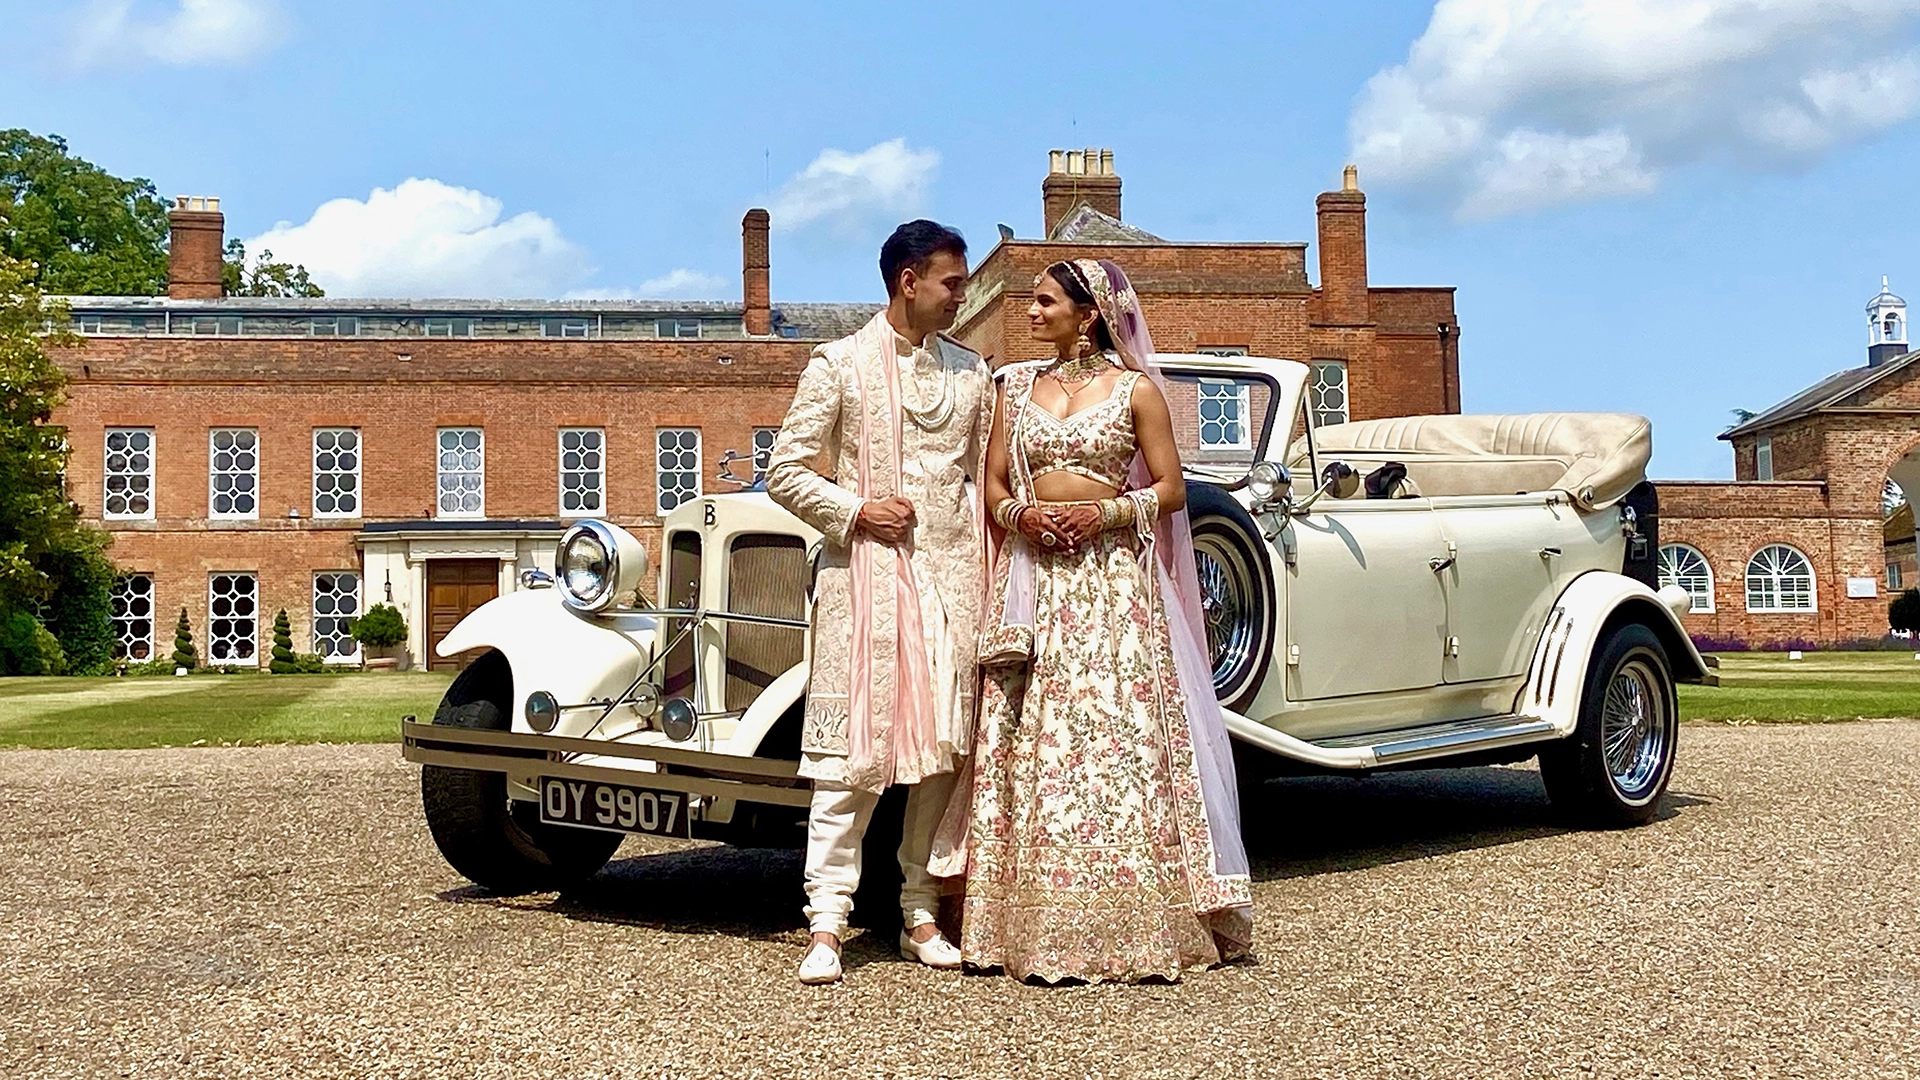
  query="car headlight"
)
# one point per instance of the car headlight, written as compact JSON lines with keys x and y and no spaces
{"x":1268,"y":483}
{"x":595,"y":563}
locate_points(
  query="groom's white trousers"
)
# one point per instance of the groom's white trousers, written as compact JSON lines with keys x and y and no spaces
{"x":836,"y":825}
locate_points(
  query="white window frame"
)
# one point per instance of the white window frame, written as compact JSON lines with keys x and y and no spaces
{"x":1243,"y":404}
{"x":342,"y":326}
{"x":86,"y":324}
{"x":214,"y":474}
{"x":1894,"y":584}
{"x":561,"y":471}
{"x":1317,"y":388}
{"x":242,"y":661}
{"x":678,"y":324}
{"x":428,"y":326}
{"x":359,"y":462}
{"x":439,"y":472}
{"x":106,"y":474}
{"x":123,"y":593}
{"x":763,"y":454}
{"x":1813,"y":583}
{"x":1221,"y":350}
{"x":566,"y":327}
{"x":699,"y":464}
{"x":1702,"y":602}
{"x":1763,"y":457}
{"x":314,"y":615}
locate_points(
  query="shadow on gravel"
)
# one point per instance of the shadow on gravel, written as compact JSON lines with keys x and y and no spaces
{"x":1300,"y":826}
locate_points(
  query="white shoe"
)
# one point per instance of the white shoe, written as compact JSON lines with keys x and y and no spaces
{"x":821,"y":965}
{"x":935,"y":952}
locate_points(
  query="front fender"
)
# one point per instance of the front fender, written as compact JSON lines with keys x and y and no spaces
{"x":1587,"y":610}
{"x":550,"y":647}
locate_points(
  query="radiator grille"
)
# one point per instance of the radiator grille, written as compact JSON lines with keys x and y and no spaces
{"x":767,"y":575}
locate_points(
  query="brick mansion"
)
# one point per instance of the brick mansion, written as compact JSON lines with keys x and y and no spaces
{"x":322,"y":455}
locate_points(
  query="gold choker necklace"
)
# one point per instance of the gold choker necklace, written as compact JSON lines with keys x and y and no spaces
{"x":1079,"y":370}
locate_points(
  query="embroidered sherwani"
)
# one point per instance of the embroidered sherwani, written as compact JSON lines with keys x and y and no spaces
{"x":945,"y":410}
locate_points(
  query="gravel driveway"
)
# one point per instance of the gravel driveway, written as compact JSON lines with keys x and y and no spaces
{"x":280,"y":912}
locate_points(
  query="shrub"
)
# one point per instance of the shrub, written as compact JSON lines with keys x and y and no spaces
{"x":161,"y":666}
{"x":1790,"y":644}
{"x":381,"y":627}
{"x":183,"y":654}
{"x":79,"y":612}
{"x":28,"y":648}
{"x":1707,"y":643}
{"x":1885,"y":643}
{"x":283,"y":662}
{"x":310,"y":664}
{"x":1904,"y":612}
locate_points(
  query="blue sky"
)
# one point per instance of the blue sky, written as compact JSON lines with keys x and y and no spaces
{"x":1674,"y":209}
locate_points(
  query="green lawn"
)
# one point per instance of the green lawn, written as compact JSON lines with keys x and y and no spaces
{"x":114,"y":714}
{"x":1759,"y":687}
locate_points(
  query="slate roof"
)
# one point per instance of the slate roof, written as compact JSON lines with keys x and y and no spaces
{"x":1085,"y":225}
{"x":823,"y":322}
{"x":1899,"y":527}
{"x":1823,"y":394}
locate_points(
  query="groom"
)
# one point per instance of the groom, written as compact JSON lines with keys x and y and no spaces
{"x":886,"y":427}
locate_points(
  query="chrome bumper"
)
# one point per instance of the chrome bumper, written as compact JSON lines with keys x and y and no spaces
{"x":696,"y":772}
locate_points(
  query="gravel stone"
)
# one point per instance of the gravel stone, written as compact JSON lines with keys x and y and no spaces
{"x":280,"y":912}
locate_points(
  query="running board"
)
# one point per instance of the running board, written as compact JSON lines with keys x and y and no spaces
{"x":1445,"y":740}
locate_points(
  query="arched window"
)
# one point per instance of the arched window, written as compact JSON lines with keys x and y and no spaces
{"x":1686,"y":567}
{"x":1779,"y":579}
{"x":1890,"y":327}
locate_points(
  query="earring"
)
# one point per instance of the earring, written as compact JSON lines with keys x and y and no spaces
{"x":1084,"y":345}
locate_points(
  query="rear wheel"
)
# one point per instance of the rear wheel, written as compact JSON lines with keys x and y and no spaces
{"x":1236,"y":593}
{"x":1615,"y":768}
{"x":490,"y":839}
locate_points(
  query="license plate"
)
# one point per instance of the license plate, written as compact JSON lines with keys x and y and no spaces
{"x":585,"y":804}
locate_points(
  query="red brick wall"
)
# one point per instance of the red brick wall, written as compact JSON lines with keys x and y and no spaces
{"x":520,"y":393}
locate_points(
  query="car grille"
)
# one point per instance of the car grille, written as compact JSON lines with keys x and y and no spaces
{"x":767,"y":575}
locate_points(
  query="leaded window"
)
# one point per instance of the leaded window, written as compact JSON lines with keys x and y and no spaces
{"x":233,"y":617}
{"x":336,"y":602}
{"x":1779,"y":578}
{"x":132,"y":598}
{"x":676,"y":466}
{"x":1223,"y":415}
{"x":233,"y":473}
{"x":583,"y":476}
{"x":462,"y":473}
{"x":128,"y":472}
{"x":763,"y":449}
{"x":336,"y":472}
{"x":1686,"y":567}
{"x":1327,"y":392}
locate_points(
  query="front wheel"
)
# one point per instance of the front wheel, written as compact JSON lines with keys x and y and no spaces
{"x":491,"y":840}
{"x":1236,"y":594}
{"x":1614,"y":769}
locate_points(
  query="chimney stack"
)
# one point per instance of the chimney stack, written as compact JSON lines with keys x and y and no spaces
{"x":1343,"y":253}
{"x":754,"y":269}
{"x":1075,"y":177}
{"x":195,"y":260}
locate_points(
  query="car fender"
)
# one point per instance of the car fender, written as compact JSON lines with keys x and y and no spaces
{"x":767,"y":709}
{"x":1584,"y":612}
{"x":577,"y":657}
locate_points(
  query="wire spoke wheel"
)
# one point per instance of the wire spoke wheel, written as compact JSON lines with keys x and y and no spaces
{"x":1634,"y":728}
{"x":1226,"y":583}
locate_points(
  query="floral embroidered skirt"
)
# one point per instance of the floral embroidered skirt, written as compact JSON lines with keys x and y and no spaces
{"x":1089,"y":854}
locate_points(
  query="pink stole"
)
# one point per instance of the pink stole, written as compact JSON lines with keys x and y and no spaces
{"x":880,"y":573}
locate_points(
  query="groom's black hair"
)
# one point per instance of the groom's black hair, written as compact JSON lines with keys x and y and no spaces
{"x":914,"y":245}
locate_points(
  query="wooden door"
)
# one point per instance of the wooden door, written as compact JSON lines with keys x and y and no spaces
{"x":454,"y":588}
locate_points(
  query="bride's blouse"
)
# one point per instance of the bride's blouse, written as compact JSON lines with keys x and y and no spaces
{"x":1097,"y":442}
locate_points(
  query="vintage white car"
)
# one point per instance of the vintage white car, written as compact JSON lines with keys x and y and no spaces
{"x":1450,"y":590}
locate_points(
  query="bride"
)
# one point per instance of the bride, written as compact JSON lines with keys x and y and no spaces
{"x":1103,"y":841}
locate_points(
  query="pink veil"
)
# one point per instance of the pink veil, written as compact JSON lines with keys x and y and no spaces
{"x":1179,"y":584}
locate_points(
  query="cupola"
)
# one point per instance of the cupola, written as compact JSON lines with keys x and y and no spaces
{"x":1886,"y":327}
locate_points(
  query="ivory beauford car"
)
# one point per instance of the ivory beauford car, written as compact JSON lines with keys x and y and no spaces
{"x":1446,"y":590}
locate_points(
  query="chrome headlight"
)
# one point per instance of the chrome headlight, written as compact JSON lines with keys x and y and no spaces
{"x":595,"y":563}
{"x":1268,"y":483}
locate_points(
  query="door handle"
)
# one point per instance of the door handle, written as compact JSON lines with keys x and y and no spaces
{"x":1436,"y":565}
{"x":1549,"y":553}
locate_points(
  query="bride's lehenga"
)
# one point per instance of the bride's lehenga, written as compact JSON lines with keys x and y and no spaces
{"x":1091,"y":855}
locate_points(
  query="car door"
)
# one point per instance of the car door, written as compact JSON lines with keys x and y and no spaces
{"x":1511,"y":557}
{"x":1365,"y":610}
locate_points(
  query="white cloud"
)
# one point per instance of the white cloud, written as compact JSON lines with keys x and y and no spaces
{"x":189,"y":32}
{"x":849,"y":195}
{"x":677,"y":284}
{"x":1506,"y":106}
{"x":427,"y":238}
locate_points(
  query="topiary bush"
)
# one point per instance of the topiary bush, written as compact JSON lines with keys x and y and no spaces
{"x":283,"y":662}
{"x":381,"y":627}
{"x":183,"y":654}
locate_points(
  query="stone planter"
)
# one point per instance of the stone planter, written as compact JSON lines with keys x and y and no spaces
{"x":383,"y":663}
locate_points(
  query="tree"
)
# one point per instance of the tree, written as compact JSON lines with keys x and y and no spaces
{"x":265,"y":277}
{"x":1904,"y":612}
{"x":284,"y":661}
{"x":183,"y":654}
{"x":53,"y":570}
{"x":83,"y":230}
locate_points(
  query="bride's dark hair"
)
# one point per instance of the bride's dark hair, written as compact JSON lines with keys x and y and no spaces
{"x":1078,"y":291}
